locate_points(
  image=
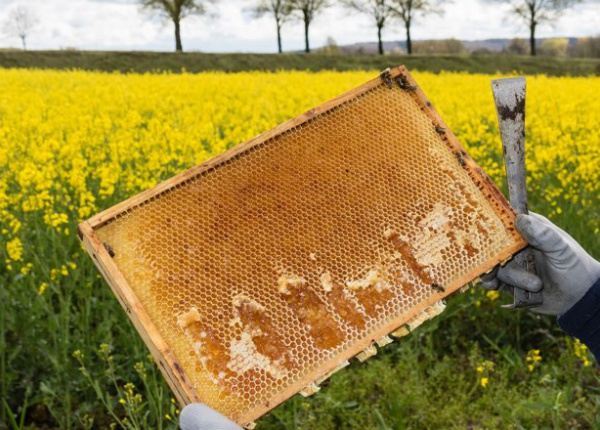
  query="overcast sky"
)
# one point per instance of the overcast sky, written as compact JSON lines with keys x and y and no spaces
{"x":121,"y":25}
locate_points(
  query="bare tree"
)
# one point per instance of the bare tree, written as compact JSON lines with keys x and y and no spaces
{"x":408,"y":10}
{"x":536,"y":12}
{"x":280,"y":10}
{"x":307,"y":10}
{"x":176,"y":10}
{"x":379,"y":10}
{"x":19,"y":23}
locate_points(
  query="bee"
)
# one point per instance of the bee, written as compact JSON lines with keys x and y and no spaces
{"x":109,"y":249}
{"x":460,"y":158}
{"x":403,"y":83}
{"x":439,"y":130}
{"x":438,"y":288}
{"x":387,"y":78}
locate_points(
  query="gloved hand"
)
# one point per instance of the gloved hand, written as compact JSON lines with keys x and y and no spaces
{"x":198,"y":416}
{"x":565,"y":270}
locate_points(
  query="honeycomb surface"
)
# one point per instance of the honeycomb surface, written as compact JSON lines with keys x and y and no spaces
{"x":260,"y":269}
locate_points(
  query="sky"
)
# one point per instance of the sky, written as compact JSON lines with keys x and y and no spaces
{"x":230,"y":27}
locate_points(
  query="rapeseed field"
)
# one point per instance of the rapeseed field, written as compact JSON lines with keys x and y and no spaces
{"x":73,"y":143}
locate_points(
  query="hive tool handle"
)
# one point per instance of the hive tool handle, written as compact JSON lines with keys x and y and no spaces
{"x":509,"y":96}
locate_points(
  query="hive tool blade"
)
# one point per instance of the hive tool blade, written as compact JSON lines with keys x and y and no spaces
{"x":509,"y":96}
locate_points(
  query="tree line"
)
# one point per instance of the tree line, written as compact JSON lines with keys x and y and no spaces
{"x":382,"y":13}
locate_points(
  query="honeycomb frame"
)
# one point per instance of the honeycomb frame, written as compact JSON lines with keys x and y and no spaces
{"x":182,"y":378}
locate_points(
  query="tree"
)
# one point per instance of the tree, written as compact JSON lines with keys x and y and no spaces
{"x":281,"y":11}
{"x":408,"y":10}
{"x":176,"y":10}
{"x":20,"y":22}
{"x":554,"y":47}
{"x":331,"y":47}
{"x":585,"y":47}
{"x":307,"y":10}
{"x":517,"y":47}
{"x":379,"y":10}
{"x":536,"y":12}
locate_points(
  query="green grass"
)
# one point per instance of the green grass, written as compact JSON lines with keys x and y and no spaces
{"x":198,"y":62}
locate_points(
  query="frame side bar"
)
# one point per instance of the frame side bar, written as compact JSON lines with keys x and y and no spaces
{"x":162,"y":354}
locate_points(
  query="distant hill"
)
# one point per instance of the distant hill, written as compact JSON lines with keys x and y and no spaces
{"x":399,"y":47}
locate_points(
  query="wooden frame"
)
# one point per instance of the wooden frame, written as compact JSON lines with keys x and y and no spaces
{"x":165,"y":358}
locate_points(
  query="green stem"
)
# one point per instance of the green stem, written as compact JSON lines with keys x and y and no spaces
{"x":3,"y":352}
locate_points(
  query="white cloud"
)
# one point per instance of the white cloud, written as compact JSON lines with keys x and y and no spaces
{"x":121,"y":25}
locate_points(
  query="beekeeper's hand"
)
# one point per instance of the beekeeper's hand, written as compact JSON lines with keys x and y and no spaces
{"x":565,"y":271}
{"x":198,"y":416}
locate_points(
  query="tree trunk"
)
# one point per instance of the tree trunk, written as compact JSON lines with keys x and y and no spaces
{"x":306,"y":45}
{"x":532,"y":38}
{"x":379,"y":39}
{"x":178,"y":46}
{"x":408,"y":41}
{"x":279,"y":38}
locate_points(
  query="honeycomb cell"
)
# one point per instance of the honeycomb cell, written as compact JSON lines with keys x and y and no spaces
{"x":310,"y":244}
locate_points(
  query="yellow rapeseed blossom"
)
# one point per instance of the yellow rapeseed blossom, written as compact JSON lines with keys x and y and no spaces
{"x":125,"y":133}
{"x":14,"y":249}
{"x":56,"y":219}
{"x":75,"y":142}
{"x":581,"y":351}
{"x":484,"y":370}
{"x":42,"y":288}
{"x":533,"y":359}
{"x":492,"y":295}
{"x":26,"y":268}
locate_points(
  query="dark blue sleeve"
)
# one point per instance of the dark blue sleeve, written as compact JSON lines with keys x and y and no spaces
{"x":583,"y":320}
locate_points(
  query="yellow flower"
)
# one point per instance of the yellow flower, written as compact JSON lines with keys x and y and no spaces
{"x":14,"y":249}
{"x":492,"y":295}
{"x":27,"y":268}
{"x":484,"y":382}
{"x":42,"y":288}
{"x":533,"y":359}
{"x":581,"y":351}
{"x":56,"y":219}
{"x":129,"y":387}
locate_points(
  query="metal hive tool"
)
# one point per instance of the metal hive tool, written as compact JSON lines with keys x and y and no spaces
{"x":255,"y":275}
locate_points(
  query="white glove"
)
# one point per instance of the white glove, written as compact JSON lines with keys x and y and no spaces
{"x":565,"y":271}
{"x":198,"y":416}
